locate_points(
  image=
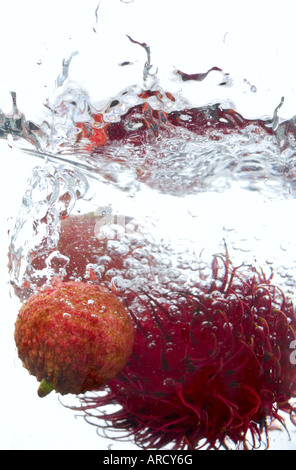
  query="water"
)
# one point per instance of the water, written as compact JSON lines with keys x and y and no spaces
{"x":166,"y":172}
{"x":169,"y":184}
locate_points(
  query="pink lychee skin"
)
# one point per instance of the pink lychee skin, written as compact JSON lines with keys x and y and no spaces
{"x":75,"y":336}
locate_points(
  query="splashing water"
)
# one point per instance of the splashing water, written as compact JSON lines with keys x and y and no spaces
{"x":145,"y":151}
{"x":150,"y":179}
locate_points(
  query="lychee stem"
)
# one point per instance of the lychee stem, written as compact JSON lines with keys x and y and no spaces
{"x":45,"y":388}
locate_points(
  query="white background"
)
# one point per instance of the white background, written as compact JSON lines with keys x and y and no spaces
{"x":253,"y":41}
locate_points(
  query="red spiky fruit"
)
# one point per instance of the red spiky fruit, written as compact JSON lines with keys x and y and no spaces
{"x":208,"y":366}
{"x":73,"y":337}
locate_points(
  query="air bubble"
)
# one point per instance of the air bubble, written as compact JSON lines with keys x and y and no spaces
{"x":169,"y":382}
{"x":67,"y":315}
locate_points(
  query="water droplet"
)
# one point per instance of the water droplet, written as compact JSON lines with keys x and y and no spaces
{"x":284,"y":246}
{"x":66,"y":315}
{"x":169,"y":382}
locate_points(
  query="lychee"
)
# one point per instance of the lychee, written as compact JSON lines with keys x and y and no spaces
{"x":73,"y":337}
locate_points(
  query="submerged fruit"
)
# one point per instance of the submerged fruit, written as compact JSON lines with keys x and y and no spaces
{"x":85,"y":254}
{"x":73,"y":337}
{"x":80,"y":243}
{"x":209,"y":367}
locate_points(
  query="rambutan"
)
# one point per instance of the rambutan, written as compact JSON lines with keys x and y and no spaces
{"x":208,"y":368}
{"x":73,"y":337}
